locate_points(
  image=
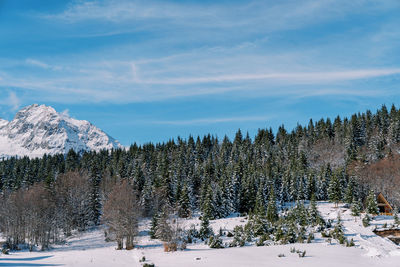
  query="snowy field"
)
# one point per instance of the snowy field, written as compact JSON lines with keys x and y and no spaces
{"x":90,"y":249}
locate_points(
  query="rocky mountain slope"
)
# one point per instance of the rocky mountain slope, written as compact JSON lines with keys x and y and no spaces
{"x":39,"y":129}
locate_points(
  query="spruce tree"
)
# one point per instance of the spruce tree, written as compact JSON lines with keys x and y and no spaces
{"x":184,"y":210}
{"x":349,"y":194}
{"x":205,"y":229}
{"x":315,"y":216}
{"x":272,"y":211}
{"x":153,"y":226}
{"x":208,"y":205}
{"x":372,"y":205}
{"x":396,"y":216}
{"x":356,"y":208}
{"x":259,"y":208}
{"x":335,"y":190}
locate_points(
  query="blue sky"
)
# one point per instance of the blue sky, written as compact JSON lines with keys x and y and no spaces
{"x":153,"y":70}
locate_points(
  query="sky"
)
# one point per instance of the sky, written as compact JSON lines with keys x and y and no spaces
{"x":149,"y":71}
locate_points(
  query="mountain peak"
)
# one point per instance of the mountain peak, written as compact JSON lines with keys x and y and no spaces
{"x":39,"y":129}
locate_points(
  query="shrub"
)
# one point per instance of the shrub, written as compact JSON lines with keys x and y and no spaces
{"x":302,"y":254}
{"x":366,"y":221}
{"x":215,"y":242}
{"x":170,"y":246}
{"x":326,"y":234}
{"x":310,"y":237}
{"x":239,"y":237}
{"x":261,"y":241}
{"x":350,"y":244}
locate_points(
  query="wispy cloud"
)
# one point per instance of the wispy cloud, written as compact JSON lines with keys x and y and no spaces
{"x":192,"y":49}
{"x":41,"y":64}
{"x":118,"y":11}
{"x":212,"y":120}
{"x":286,"y":78}
{"x":148,"y":80}
{"x":12,"y":101}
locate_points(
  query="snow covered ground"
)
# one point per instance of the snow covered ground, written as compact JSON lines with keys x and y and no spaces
{"x":90,"y":249}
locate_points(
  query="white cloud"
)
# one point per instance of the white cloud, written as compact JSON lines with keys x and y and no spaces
{"x":125,"y":82}
{"x":12,"y":100}
{"x":252,"y":64}
{"x":212,"y":120}
{"x":118,"y":11}
{"x":41,"y":64}
{"x":37,"y":63}
{"x":283,"y":77}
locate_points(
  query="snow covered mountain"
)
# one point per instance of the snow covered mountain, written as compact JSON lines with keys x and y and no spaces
{"x":36,"y":130}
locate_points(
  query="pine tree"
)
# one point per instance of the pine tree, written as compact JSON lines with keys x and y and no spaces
{"x":184,"y":210}
{"x":335,"y":190}
{"x":272,"y":211}
{"x":396,"y":216}
{"x":259,"y":208}
{"x":301,"y":214}
{"x":153,"y":226}
{"x":356,"y":208}
{"x":349,"y":194}
{"x":372,"y":205}
{"x":208,"y":205}
{"x":205,"y":229}
{"x":314,"y":214}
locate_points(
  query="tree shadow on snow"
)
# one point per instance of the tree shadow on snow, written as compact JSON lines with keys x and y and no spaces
{"x":20,"y":262}
{"x":149,"y":246}
{"x":26,"y":259}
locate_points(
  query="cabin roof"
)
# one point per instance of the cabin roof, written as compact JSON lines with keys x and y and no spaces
{"x":382,"y":200}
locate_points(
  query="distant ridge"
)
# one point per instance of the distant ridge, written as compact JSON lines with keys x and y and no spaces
{"x":38,"y":129}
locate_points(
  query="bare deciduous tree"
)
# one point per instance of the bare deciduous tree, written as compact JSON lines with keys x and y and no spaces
{"x":121,"y":213}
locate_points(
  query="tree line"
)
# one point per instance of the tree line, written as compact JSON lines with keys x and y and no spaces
{"x":326,"y":159}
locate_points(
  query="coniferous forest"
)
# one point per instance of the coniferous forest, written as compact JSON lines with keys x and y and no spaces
{"x":340,"y":159}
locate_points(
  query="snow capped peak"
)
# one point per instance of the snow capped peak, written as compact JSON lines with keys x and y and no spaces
{"x":39,"y":129}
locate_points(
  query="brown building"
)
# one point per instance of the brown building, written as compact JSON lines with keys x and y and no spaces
{"x":384,"y":207}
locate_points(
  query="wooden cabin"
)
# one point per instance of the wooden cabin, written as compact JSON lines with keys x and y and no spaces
{"x":383,"y":205}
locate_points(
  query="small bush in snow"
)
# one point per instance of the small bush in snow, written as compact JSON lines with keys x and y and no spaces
{"x":191,"y":234}
{"x":350,"y":243}
{"x":215,"y":242}
{"x":366,"y":220}
{"x":326,"y":234}
{"x":301,"y":254}
{"x":239,"y":237}
{"x":170,"y":246}
{"x":148,"y":265}
{"x":261,"y":241}
{"x":281,"y":255}
{"x":310,"y":237}
{"x":342,"y":239}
